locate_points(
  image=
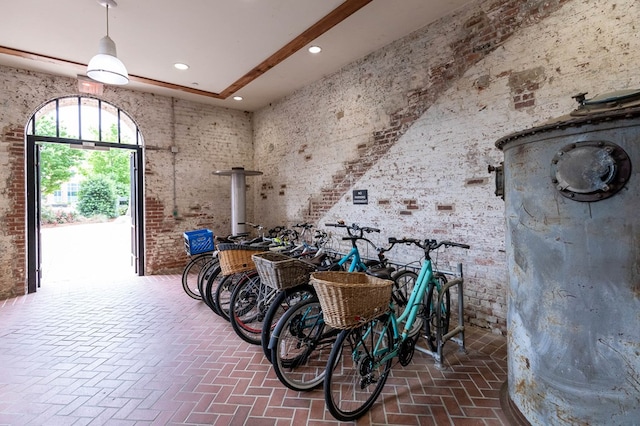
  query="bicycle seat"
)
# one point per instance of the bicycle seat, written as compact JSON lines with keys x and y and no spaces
{"x":384,"y":273}
{"x":316,"y":260}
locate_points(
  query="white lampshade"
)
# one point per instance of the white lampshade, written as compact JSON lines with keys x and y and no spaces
{"x":105,"y":67}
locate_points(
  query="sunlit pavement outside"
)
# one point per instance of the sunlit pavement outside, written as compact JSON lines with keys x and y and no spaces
{"x":92,"y":250}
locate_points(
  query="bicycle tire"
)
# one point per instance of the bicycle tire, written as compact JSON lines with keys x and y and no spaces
{"x":352,"y":383}
{"x":283,"y":301}
{"x":222,"y":297}
{"x":300,"y":346}
{"x":248,"y":307}
{"x":203,"y":276}
{"x":190,"y":275}
{"x":213,"y":280}
{"x":431,"y":320}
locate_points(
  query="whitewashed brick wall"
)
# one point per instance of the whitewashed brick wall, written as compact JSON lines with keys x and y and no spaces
{"x":434,"y":182}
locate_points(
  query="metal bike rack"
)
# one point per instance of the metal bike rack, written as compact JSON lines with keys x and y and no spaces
{"x":458,"y":330}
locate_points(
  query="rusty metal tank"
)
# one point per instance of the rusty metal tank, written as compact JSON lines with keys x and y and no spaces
{"x":572,"y":204}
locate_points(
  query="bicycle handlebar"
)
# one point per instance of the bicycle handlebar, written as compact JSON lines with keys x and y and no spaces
{"x":355,"y":232}
{"x":427,"y":245}
{"x":305,"y":225}
{"x":353,"y":227}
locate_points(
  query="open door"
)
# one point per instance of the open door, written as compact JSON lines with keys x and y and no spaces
{"x":135,"y":210}
{"x":34,"y":257}
{"x":87,"y":123}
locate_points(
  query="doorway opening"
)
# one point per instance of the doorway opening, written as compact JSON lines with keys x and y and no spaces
{"x":84,"y":172}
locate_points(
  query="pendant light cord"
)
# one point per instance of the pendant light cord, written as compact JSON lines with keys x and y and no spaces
{"x":107,"y":7}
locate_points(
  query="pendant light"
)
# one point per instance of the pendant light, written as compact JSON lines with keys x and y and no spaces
{"x":105,"y":67}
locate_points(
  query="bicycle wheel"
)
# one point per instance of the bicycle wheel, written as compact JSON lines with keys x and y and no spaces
{"x":355,"y":374}
{"x":204,"y":274}
{"x":300,"y":346}
{"x":403,"y":284}
{"x":248,"y":307}
{"x":191,"y":273}
{"x":284,"y":300}
{"x":213,"y":280}
{"x":431,"y":322}
{"x":222,"y":297}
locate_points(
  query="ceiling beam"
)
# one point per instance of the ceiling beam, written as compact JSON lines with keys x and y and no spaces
{"x":336,"y":16}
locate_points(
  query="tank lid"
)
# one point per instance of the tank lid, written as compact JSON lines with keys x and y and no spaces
{"x":605,"y":107}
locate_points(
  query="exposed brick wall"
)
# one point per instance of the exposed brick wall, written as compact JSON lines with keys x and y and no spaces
{"x":181,"y":193}
{"x":415,"y":124}
{"x":161,"y":238}
{"x":13,"y":221}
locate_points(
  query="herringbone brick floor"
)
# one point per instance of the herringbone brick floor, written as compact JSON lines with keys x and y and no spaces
{"x":138,"y":351}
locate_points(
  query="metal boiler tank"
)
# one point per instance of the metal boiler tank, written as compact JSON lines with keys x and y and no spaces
{"x":572,"y":204}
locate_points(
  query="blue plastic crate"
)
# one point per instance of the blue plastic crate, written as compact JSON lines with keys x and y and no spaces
{"x":198,"y":241}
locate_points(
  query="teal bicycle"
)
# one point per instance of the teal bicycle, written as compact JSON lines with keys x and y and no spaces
{"x":362,"y":356}
{"x":301,"y":342}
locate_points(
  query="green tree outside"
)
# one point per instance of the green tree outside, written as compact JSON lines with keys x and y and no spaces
{"x":106,"y":173}
{"x":113,"y":164}
{"x":58,"y":162}
{"x":97,"y":196}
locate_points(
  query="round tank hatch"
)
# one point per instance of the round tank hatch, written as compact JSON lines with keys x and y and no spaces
{"x":590,"y":171}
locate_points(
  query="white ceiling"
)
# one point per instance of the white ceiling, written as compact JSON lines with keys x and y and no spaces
{"x":221,"y":40}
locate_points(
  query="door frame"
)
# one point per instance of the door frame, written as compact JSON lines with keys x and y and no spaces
{"x":34,"y":257}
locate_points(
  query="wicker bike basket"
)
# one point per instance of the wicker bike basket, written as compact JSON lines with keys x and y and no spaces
{"x":280,"y":271}
{"x":349,"y":299}
{"x":236,"y":258}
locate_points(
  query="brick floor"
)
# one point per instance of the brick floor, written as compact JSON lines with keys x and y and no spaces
{"x":138,"y":351}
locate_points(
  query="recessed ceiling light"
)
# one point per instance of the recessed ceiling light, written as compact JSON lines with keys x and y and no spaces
{"x":181,"y":66}
{"x":237,"y":98}
{"x":315,"y":49}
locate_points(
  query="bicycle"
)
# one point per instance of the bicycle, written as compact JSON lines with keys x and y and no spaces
{"x":221,"y":297}
{"x":301,"y":341}
{"x":289,"y":297}
{"x":314,"y":254}
{"x":198,"y":269}
{"x":255,"y":305}
{"x":251,"y":300}
{"x":192,"y":272}
{"x":205,"y":270}
{"x":355,"y":233}
{"x":362,"y":356}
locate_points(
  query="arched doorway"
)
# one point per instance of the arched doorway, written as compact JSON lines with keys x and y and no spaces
{"x":87,"y":123}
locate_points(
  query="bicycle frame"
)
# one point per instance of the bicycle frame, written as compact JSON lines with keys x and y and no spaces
{"x":317,"y":320}
{"x":408,"y":316}
{"x":356,"y":261}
